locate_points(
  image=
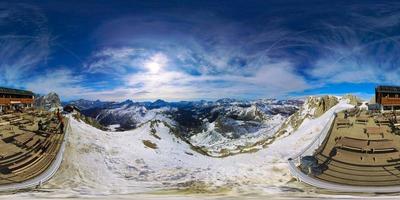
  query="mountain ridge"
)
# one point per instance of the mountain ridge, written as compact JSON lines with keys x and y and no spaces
{"x":216,"y":128}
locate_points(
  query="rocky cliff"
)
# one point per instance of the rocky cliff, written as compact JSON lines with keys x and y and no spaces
{"x":48,"y":102}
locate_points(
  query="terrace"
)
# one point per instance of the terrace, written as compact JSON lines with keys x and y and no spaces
{"x":29,"y":142}
{"x":360,"y":150}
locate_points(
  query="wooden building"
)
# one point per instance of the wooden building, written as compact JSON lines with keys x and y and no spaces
{"x":388,"y":97}
{"x":13,"y":98}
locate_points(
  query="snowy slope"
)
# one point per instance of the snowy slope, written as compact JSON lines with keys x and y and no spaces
{"x":219,"y":128}
{"x":98,"y":162}
{"x":217,"y":144}
{"x":130,"y":116}
{"x":273,"y":126}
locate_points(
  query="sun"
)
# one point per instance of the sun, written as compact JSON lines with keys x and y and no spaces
{"x":153,"y":67}
{"x":156,"y":63}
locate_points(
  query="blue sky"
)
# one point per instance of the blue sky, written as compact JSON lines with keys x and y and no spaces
{"x":187,"y":50}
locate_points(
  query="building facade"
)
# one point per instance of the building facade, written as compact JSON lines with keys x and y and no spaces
{"x":388,"y":97}
{"x":14,"y":98}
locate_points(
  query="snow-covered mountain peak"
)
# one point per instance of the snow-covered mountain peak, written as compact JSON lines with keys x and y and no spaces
{"x":221,"y":128}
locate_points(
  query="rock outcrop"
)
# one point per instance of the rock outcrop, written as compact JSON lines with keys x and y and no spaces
{"x":313,"y":107}
{"x":323,"y":104}
{"x":48,"y":102}
{"x":353,"y":100}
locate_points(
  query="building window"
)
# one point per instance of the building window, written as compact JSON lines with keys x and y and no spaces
{"x":387,"y":107}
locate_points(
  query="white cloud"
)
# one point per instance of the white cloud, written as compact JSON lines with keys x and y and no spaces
{"x":116,"y":60}
{"x":164,"y":75}
{"x":273,"y":80}
{"x":62,"y":81}
{"x":205,"y":57}
{"x":21,"y":53}
{"x":231,"y":59}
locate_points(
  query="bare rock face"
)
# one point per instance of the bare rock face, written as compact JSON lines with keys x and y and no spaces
{"x":372,"y":100}
{"x":353,"y":100}
{"x":48,"y":102}
{"x":323,"y":104}
{"x":313,"y":107}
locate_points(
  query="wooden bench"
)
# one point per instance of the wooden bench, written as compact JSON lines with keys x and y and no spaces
{"x":31,"y":143}
{"x":20,"y":165}
{"x":342,"y":123}
{"x":362,"y":120}
{"x":380,"y":120}
{"x":20,"y":157}
{"x":383,"y":145}
{"x":366,"y":159}
{"x":375,"y":130}
{"x":8,"y":150}
{"x":23,"y":138}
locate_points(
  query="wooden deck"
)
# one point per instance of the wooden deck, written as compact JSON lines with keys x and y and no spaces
{"x":25,"y":151}
{"x":360,"y":154}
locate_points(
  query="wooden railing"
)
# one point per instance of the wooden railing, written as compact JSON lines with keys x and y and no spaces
{"x":16,"y":100}
{"x":390,"y":101}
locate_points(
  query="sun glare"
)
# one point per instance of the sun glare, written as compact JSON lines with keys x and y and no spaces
{"x":156,"y":63}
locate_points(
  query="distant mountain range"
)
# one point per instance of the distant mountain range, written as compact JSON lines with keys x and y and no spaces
{"x":130,"y":114}
{"x":209,"y":125}
{"x":215,"y":128}
{"x":88,"y":104}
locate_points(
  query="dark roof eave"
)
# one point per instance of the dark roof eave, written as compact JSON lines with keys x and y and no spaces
{"x":388,"y":89}
{"x":4,"y":90}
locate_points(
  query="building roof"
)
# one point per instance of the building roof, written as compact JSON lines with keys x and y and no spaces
{"x":4,"y":90}
{"x":388,"y":89}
